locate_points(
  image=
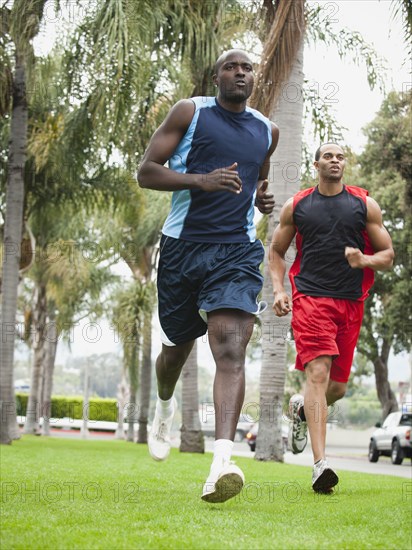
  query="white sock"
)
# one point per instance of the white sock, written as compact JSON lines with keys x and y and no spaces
{"x":164,"y":408}
{"x":222,"y":452}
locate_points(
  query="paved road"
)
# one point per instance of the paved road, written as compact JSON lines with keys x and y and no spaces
{"x":353,"y":459}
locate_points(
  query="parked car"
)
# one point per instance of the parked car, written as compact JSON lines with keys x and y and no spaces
{"x":392,"y":439}
{"x":252,"y":434}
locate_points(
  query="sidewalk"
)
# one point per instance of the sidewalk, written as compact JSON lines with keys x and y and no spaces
{"x":339,"y":437}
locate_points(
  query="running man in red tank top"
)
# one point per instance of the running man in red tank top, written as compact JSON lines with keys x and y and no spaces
{"x":340,"y":241}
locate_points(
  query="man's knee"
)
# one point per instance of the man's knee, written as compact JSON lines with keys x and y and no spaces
{"x":317,"y":371}
{"x":229,"y":357}
{"x":174,"y":356}
{"x":229,"y":353}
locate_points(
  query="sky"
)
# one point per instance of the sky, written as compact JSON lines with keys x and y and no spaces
{"x":345,"y":83}
{"x":340,"y":81}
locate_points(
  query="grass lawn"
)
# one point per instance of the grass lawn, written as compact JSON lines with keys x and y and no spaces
{"x":74,"y":494}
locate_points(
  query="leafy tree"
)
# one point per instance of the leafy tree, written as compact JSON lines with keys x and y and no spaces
{"x":387,"y":173}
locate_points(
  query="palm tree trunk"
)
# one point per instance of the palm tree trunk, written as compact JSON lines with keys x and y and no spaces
{"x":133,"y":379}
{"x":284,"y":182}
{"x":12,"y":240}
{"x":191,"y":436}
{"x":122,"y":393}
{"x":51,"y":348}
{"x":39,"y":322}
{"x":145,"y":378}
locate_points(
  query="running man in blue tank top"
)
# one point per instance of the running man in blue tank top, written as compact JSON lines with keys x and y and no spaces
{"x":218,"y":152}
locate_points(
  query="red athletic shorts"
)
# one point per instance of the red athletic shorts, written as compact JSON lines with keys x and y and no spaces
{"x":326,"y":326}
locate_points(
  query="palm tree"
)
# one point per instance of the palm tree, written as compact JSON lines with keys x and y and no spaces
{"x":130,"y":307}
{"x":122,"y":399}
{"x":122,"y":59}
{"x":37,"y":372}
{"x":58,"y":206}
{"x":112,"y":44}
{"x":145,"y":382}
{"x":282,"y":62}
{"x":66,"y":286}
{"x":131,"y":231}
{"x":279,"y":94}
{"x":19,"y":25}
{"x":50,"y":358}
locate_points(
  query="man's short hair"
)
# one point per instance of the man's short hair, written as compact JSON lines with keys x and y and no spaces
{"x":221,"y":59}
{"x":317,"y":154}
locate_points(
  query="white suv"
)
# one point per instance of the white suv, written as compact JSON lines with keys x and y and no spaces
{"x":392,"y":439}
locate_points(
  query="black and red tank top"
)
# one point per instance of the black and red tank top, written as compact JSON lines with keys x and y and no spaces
{"x":325,"y":225}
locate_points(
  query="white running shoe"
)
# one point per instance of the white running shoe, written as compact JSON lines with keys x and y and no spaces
{"x":221,"y":485}
{"x":298,"y":429}
{"x":323,"y":477}
{"x":159,"y":435}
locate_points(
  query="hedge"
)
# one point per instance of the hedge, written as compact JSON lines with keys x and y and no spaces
{"x":72,"y":407}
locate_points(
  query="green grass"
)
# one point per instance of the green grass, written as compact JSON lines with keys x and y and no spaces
{"x":74,"y":494}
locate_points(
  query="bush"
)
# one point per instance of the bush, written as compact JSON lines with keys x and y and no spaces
{"x":362,"y":411}
{"x":21,"y":403}
{"x":72,"y":407}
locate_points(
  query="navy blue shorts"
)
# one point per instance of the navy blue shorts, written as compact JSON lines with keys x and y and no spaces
{"x":195,"y":278}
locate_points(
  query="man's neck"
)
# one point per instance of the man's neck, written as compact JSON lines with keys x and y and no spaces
{"x":330,"y":188}
{"x":231,"y":106}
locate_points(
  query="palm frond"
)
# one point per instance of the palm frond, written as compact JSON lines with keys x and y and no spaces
{"x":6,"y":82}
{"x":46,"y":92}
{"x":130,"y":305}
{"x":402,"y":9}
{"x":25,"y":18}
{"x":279,"y":53}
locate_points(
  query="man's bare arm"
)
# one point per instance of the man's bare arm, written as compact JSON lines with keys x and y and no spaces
{"x":380,"y":240}
{"x":265,"y":201}
{"x":282,"y":238}
{"x":153,"y":174}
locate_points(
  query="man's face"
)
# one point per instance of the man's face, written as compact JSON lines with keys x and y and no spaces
{"x":235,"y":77}
{"x":331,"y":163}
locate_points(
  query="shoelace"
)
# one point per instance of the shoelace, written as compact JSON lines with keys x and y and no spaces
{"x":321,"y":466}
{"x":300,"y":428}
{"x":162,"y":431}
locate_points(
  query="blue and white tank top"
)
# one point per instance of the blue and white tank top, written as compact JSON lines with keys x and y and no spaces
{"x":216,"y":138}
